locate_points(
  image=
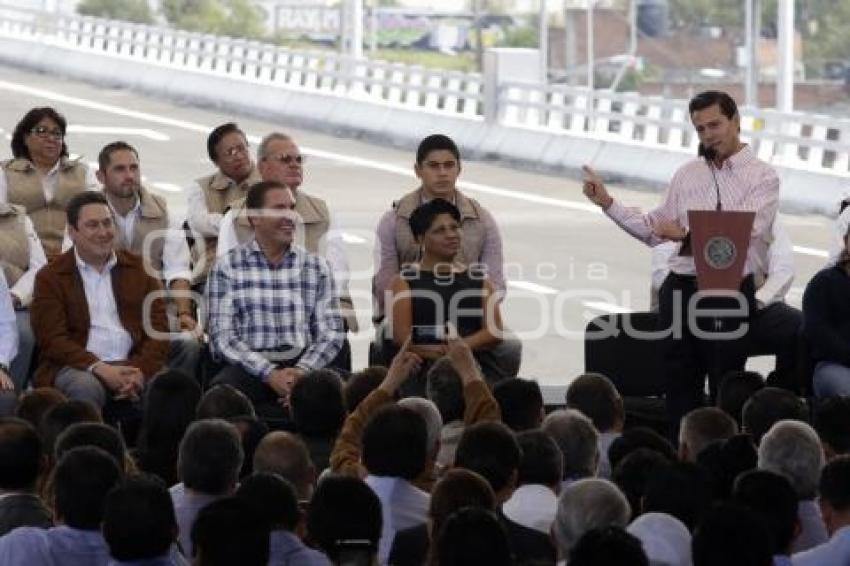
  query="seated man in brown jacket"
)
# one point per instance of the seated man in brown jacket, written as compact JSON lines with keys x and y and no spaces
{"x":88,"y":313}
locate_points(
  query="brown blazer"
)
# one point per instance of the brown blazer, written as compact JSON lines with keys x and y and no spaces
{"x":60,"y":316}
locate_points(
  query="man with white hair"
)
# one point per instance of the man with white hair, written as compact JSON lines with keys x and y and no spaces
{"x":587,"y":504}
{"x":578,"y":440}
{"x":792,"y":449}
{"x":665,"y":539}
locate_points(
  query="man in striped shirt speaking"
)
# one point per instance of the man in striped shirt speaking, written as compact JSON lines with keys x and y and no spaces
{"x":273,"y":312}
{"x":726,"y":176}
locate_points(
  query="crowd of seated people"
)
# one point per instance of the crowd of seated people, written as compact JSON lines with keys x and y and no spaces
{"x":138,"y":428}
{"x":211,"y":484}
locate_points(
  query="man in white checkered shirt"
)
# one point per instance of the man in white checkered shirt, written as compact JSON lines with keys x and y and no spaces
{"x":273,"y":311}
{"x":728,"y":176}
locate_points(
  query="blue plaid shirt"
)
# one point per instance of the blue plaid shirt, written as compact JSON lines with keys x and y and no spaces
{"x":255,"y":308}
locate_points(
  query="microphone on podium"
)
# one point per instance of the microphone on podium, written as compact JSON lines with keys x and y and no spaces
{"x":709,"y":154}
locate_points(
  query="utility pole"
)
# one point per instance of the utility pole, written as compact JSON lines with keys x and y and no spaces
{"x":785,"y":72}
{"x":753,"y":33}
{"x":543,"y":43}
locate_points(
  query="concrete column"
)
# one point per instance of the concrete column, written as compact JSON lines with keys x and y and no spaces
{"x":785,"y":70}
{"x":505,"y":64}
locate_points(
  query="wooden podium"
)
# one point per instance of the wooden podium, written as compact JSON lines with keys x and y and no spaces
{"x":719,"y":240}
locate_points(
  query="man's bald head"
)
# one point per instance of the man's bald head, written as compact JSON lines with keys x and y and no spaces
{"x":285,"y":454}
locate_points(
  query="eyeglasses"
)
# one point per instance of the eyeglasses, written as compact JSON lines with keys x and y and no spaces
{"x":43,"y":132}
{"x":241,"y":149}
{"x":286,"y":159}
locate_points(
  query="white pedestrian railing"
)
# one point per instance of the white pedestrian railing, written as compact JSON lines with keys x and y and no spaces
{"x":796,"y":140}
{"x":393,"y":83}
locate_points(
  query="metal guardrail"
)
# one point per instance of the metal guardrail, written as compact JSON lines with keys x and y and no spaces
{"x":794,"y":140}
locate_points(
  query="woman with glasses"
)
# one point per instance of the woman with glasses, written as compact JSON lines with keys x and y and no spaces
{"x":34,"y":187}
{"x":41,"y":178}
{"x":437,"y":290}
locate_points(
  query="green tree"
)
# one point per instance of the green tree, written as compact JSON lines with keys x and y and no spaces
{"x":236,"y":18}
{"x":692,"y":14}
{"x":823,"y":24}
{"x":136,"y":11}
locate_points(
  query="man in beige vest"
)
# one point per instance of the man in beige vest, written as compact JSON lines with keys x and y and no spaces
{"x":21,"y":256}
{"x":210,"y":196}
{"x":438,"y":167}
{"x":145,"y":228}
{"x":280,"y":160}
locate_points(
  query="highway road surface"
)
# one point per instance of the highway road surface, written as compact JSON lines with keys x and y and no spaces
{"x":566,"y":262}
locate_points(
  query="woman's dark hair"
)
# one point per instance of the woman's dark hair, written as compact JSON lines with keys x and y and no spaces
{"x":170,"y":406}
{"x":424,"y":215}
{"x":30,"y":121}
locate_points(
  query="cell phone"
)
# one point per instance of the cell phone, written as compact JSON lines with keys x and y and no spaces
{"x":428,"y":335}
{"x":355,"y":552}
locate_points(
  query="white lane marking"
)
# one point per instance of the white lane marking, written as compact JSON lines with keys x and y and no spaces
{"x":118,"y":130}
{"x":803,"y":250}
{"x":167,"y":187}
{"x":350,"y":238}
{"x":533,"y":287}
{"x":359,"y":161}
{"x":82,"y":102}
{"x":607,"y":307}
{"x":404,"y":171}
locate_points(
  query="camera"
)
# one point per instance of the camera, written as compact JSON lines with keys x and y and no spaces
{"x":425,"y":335}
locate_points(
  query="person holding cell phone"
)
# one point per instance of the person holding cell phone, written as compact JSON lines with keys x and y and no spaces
{"x":437,"y":290}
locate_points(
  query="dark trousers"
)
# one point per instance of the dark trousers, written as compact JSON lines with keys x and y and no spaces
{"x":776,"y":331}
{"x":263,"y":397}
{"x":689,"y":357}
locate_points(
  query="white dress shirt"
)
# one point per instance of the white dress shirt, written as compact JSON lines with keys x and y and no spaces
{"x":773,"y":280}
{"x":744,"y":182}
{"x":841,"y":225}
{"x":201,"y":220}
{"x":24,"y":286}
{"x":176,"y":257}
{"x":108,"y":339}
{"x":48,"y":183}
{"x":8,"y":325}
{"x":835,"y":551}
{"x":403,"y":506}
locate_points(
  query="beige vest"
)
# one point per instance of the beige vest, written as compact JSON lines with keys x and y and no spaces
{"x":471,"y":221}
{"x":153,"y":217}
{"x":317,"y":219}
{"x":220,"y":192}
{"x":14,"y":246}
{"x":48,"y":218}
